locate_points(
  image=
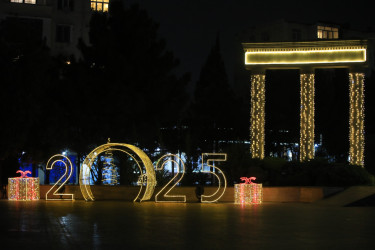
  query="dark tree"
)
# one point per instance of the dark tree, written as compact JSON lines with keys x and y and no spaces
{"x":214,"y":109}
{"x":130,"y":77}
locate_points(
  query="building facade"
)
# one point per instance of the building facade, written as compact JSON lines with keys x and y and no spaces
{"x":60,"y":23}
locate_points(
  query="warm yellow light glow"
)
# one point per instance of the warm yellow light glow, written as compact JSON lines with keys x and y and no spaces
{"x":257,"y":116}
{"x":100,"y":5}
{"x":68,"y":173}
{"x":356,"y":119}
{"x":248,"y":193}
{"x":212,"y":157}
{"x":164,"y":192}
{"x":326,"y":32}
{"x":307,"y":113}
{"x":23,"y":189}
{"x":300,"y":56}
{"x":140,"y":158}
{"x":23,"y":1}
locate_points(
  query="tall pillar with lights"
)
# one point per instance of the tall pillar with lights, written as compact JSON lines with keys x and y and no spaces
{"x":307,"y":113}
{"x":356,"y":119}
{"x":257,"y":119}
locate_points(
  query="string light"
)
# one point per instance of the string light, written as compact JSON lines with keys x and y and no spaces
{"x":295,"y":55}
{"x":211,"y":157}
{"x":180,"y":172}
{"x":248,"y":192}
{"x":323,"y":55}
{"x":62,"y":159}
{"x":257,"y":116}
{"x":109,"y":173}
{"x":147,"y":171}
{"x":242,"y":193}
{"x":23,"y":188}
{"x":307,"y":117}
{"x":356,"y":119}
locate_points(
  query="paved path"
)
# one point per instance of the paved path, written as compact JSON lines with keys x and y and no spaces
{"x":348,"y":196}
{"x":125,"y":225}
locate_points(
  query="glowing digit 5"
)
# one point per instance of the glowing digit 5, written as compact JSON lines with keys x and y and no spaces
{"x":211,"y":157}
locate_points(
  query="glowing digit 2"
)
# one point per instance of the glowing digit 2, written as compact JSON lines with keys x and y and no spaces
{"x":64,"y":160}
{"x":180,"y":172}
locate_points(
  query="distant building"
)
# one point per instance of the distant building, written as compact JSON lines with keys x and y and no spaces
{"x":61,"y":23}
{"x":287,"y":31}
{"x":282,"y":30}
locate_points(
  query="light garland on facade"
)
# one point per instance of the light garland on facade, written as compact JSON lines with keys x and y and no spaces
{"x":62,"y":159}
{"x":23,"y":188}
{"x":206,"y":159}
{"x":164,"y":192}
{"x":356,"y":119}
{"x":307,"y":113}
{"x":257,"y":116}
{"x":301,"y":56}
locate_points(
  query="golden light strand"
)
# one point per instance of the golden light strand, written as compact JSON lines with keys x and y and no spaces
{"x":356,"y":119}
{"x":307,"y":117}
{"x":147,"y":172}
{"x":164,"y":191}
{"x":62,"y":159}
{"x":257,"y":116}
{"x":24,"y":189}
{"x":206,"y":159}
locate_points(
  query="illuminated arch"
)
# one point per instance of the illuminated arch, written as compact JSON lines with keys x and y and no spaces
{"x":147,"y":177}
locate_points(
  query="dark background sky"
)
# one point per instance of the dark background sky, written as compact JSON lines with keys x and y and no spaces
{"x":190,"y":27}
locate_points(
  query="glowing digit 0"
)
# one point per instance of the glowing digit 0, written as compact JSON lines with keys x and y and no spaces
{"x":180,"y":172}
{"x":211,"y":157}
{"x":68,"y":169}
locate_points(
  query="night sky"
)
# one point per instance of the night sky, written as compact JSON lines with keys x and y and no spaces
{"x":190,"y":27}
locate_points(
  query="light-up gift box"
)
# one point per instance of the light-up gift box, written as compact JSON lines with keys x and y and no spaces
{"x":23,"y":188}
{"x":248,"y":192}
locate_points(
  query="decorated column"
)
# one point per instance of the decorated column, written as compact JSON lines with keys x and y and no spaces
{"x":307,"y":113}
{"x":356,"y":119}
{"x":257,"y":119}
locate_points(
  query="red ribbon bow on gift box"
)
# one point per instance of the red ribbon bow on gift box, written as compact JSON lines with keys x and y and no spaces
{"x":23,"y":173}
{"x":247,"y":180}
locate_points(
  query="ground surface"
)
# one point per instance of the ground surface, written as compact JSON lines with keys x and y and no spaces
{"x":126,"y":225}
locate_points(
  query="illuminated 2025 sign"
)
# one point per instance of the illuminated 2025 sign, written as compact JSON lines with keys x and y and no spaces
{"x":147,"y":179}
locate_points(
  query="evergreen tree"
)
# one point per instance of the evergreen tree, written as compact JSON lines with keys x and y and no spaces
{"x":131,"y":77}
{"x":214,"y":109}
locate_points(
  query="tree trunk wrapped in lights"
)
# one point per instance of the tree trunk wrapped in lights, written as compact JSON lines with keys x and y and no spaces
{"x":257,"y":119}
{"x":307,"y":117}
{"x":356,"y":119}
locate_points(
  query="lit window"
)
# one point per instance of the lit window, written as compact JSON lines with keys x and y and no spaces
{"x":100,"y":5}
{"x":23,"y":1}
{"x":326,"y":32}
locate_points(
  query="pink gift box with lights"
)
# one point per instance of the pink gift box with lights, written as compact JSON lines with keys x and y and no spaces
{"x":23,"y":188}
{"x":248,"y":192}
